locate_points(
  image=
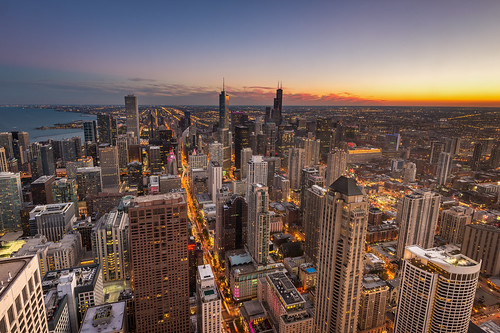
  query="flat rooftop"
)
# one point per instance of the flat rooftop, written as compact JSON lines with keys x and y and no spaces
{"x":447,"y":257}
{"x":9,"y":271}
{"x":84,"y":275}
{"x":285,"y":289}
{"x":104,"y":318}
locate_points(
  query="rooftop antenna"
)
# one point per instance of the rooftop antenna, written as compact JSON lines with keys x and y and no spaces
{"x":223,"y":85}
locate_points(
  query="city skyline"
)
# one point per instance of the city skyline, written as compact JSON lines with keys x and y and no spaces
{"x":326,"y":53}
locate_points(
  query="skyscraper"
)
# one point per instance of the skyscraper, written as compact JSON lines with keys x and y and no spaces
{"x":374,"y":295}
{"x":110,"y":172}
{"x":231,"y":226}
{"x":122,"y":144}
{"x":241,"y":140}
{"x":481,"y":243}
{"x":296,"y":161}
{"x":476,"y":156}
{"x":41,"y":190}
{"x":209,"y":301}
{"x":214,"y":179}
{"x":258,"y":223}
{"x":154,"y":156}
{"x":278,"y":106}
{"x":110,"y":245}
{"x":256,"y":171}
{"x":106,"y":124}
{"x":90,"y":131}
{"x":443,"y":168}
{"x":11,"y":199}
{"x":417,"y":217}
{"x":88,"y":180}
{"x":324,"y":134}
{"x":159,"y":262}
{"x":224,"y":114}
{"x":53,"y":221}
{"x":437,"y":147}
{"x":246,"y":156}
{"x":215,"y":152}
{"x":341,"y":257}
{"x":64,"y":190}
{"x":132,"y":115}
{"x":409,"y":172}
{"x":453,"y":222}
{"x":312,"y":208}
{"x":48,"y":164}
{"x":6,"y":142}
{"x":437,"y":291}
{"x":3,"y":160}
{"x":336,"y":165}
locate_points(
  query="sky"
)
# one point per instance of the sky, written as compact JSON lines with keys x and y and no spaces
{"x":360,"y":52}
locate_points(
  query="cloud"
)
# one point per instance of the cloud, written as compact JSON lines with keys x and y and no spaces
{"x":140,"y":79}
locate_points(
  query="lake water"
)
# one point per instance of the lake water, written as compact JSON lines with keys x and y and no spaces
{"x":28,"y":119}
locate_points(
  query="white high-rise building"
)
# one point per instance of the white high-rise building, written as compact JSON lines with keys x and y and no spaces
{"x":256,"y":171}
{"x":21,"y":300}
{"x":443,"y":168}
{"x":246,"y":156}
{"x":132,"y":115}
{"x":341,"y":257}
{"x":409,"y":172}
{"x":417,"y":218}
{"x":336,"y":165}
{"x":258,"y":223}
{"x":209,"y":301}
{"x":110,"y":245}
{"x":215,"y":152}
{"x":296,"y":161}
{"x":214,"y":179}
{"x":437,"y":291}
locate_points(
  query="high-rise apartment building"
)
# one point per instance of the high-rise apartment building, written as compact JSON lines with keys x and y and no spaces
{"x":241,"y":138}
{"x":336,"y":165}
{"x":214,"y":179}
{"x":246,"y":156}
{"x":417,"y":218}
{"x":21,"y":300}
{"x":476,"y":156}
{"x":106,"y":125}
{"x":324,"y":134}
{"x":256,"y":171}
{"x":453,"y":222}
{"x":122,"y":144}
{"x":64,"y":190}
{"x":110,"y":245}
{"x":90,"y":131}
{"x":110,"y":171}
{"x":154,"y":156}
{"x":374,"y":295}
{"x":311,"y":148}
{"x":341,"y":257}
{"x":437,"y":291}
{"x":437,"y":147}
{"x":11,"y":200}
{"x":296,"y":161}
{"x":409,"y":172}
{"x":481,"y":243}
{"x":6,"y":142}
{"x":48,"y":164}
{"x":312,"y":209}
{"x":231,"y":225}
{"x":132,"y":109}
{"x":198,"y":161}
{"x":258,"y":223}
{"x":159,"y":262}
{"x":209,"y":301}
{"x":443,"y":168}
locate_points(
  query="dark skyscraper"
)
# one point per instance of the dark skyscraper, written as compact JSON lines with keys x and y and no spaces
{"x":90,"y":131}
{"x":224,"y":115}
{"x":106,"y":125}
{"x":241,"y":140}
{"x":233,"y":225}
{"x":278,"y":106}
{"x":476,"y":156}
{"x":324,"y":134}
{"x":132,"y":115}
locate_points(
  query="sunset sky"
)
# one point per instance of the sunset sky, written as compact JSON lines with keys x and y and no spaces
{"x":373,"y":52}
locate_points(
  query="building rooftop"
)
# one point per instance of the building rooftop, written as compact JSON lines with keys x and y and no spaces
{"x":240,"y":259}
{"x":84,"y":275}
{"x":446,"y":257}
{"x":59,"y":208}
{"x":372,"y":281}
{"x":346,"y":186}
{"x":42,"y":180}
{"x":150,"y":200}
{"x":285,"y":289}
{"x":205,"y":272}
{"x":9,"y":271}
{"x":104,"y":318}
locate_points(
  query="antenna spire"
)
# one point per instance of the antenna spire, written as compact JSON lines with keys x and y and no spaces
{"x":223,"y":85}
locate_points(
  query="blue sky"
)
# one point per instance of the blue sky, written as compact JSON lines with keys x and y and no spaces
{"x":326,"y":52}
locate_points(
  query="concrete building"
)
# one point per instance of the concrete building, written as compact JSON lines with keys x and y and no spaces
{"x":409,"y":172}
{"x":374,"y":295}
{"x":417,"y":218}
{"x":312,"y":215}
{"x":215,"y":152}
{"x":443,"y":168}
{"x":122,"y":145}
{"x":169,"y":183}
{"x":209,"y":301}
{"x":72,"y":167}
{"x":214,"y":179}
{"x":3,"y":160}
{"x":110,"y":245}
{"x":336,"y":165}
{"x":88,"y":180}
{"x":296,"y":161}
{"x":287,"y":308}
{"x":52,"y":221}
{"x":256,"y":171}
{"x":107,"y":318}
{"x":159,"y":262}
{"x":21,"y":300}
{"x":437,"y":291}
{"x":41,"y":190}
{"x":82,"y":285}
{"x":57,"y":310}
{"x":341,"y":257}
{"x":258,"y":223}
{"x":132,"y":109}
{"x":246,"y":156}
{"x":154,"y":158}
{"x":110,"y":171}
{"x":106,"y":125}
{"x":453,"y":222}
{"x":11,"y":200}
{"x":197,"y":161}
{"x":481,"y":243}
